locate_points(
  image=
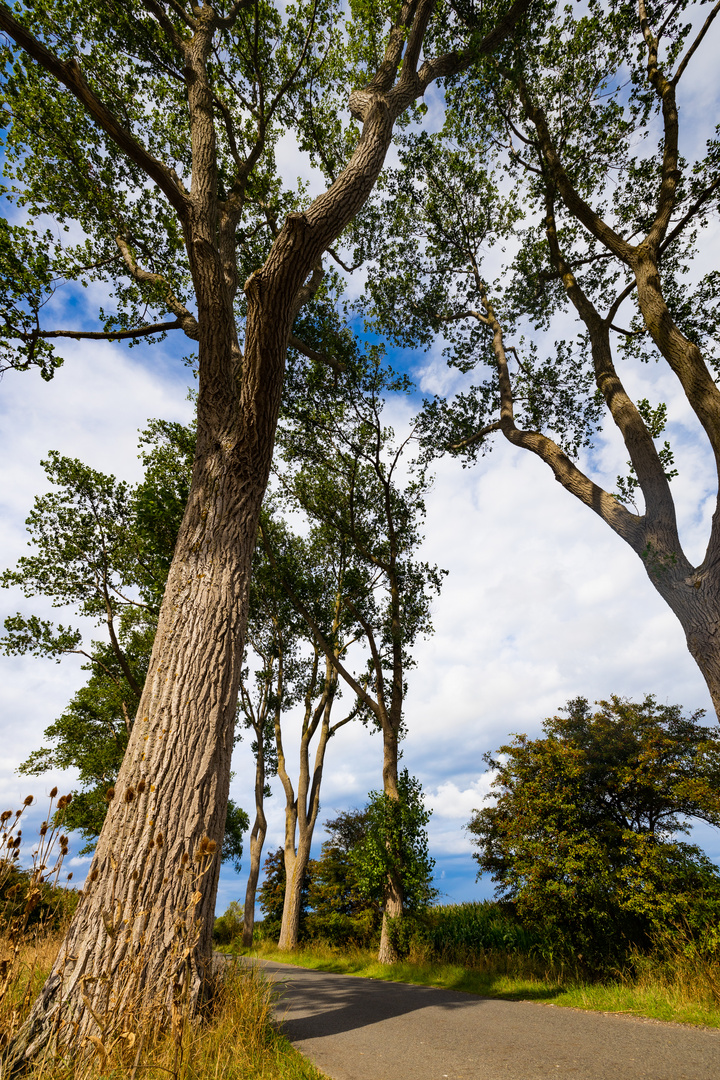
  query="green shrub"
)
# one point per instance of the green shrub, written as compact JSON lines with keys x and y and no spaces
{"x":229,"y":926}
{"x":341,"y":931}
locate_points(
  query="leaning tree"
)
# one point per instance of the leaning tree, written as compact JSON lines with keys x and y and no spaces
{"x":570,"y":160}
{"x":150,"y":127}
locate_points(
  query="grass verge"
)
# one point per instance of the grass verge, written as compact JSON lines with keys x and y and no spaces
{"x":657,"y":994}
{"x":235,"y":1040}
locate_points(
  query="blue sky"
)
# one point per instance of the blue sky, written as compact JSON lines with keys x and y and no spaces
{"x":542,"y":602}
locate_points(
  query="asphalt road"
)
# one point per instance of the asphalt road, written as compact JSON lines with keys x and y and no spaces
{"x":360,"y":1029}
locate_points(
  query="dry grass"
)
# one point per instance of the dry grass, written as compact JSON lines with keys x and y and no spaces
{"x":233,"y":1039}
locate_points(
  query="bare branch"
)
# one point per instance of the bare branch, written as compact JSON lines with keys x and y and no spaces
{"x":105,"y":335}
{"x":689,"y":54}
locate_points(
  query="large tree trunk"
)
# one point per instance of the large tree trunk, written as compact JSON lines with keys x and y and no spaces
{"x":694,"y":597}
{"x":142,"y":932}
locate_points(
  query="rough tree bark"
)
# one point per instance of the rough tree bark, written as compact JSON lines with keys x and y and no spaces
{"x":144,"y":924}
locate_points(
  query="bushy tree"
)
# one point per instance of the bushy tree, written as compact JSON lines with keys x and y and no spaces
{"x":396,"y":844}
{"x":583,"y":832}
{"x":340,"y":913}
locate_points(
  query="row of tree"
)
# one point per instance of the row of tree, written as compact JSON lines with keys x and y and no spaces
{"x":341,"y":604}
{"x":146,"y":132}
{"x":344,"y":893}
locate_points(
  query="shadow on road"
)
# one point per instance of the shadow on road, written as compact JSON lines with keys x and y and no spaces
{"x":312,"y":1004}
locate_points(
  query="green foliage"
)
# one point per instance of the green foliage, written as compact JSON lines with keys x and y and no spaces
{"x":396,"y":843}
{"x":236,"y":824}
{"x":229,"y":925}
{"x":34,"y":904}
{"x":461,"y":933}
{"x":103,"y":549}
{"x":582,"y":835}
{"x":340,"y":914}
{"x":272,"y":69}
{"x":342,"y":469}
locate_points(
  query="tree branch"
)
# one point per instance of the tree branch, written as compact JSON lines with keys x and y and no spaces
{"x":70,"y":74}
{"x":187,"y":321}
{"x":106,"y":335}
{"x":312,"y":354}
{"x":688,"y":55}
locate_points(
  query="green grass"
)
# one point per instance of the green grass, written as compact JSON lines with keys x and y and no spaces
{"x":686,"y":998}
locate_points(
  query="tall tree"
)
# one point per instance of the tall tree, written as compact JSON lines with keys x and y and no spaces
{"x":152,"y":124}
{"x":313,"y":575}
{"x":570,"y":157}
{"x":344,"y":469}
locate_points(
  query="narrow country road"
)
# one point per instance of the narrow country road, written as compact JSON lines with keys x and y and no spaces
{"x":361,"y":1029}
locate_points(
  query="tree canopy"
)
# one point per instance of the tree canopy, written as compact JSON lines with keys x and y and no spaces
{"x":556,"y":234}
{"x":582,"y":830}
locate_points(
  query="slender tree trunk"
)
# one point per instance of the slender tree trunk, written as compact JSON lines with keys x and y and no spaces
{"x":257,"y":840}
{"x":393,"y":903}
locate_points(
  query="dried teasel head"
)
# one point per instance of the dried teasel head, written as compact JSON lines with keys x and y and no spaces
{"x":129,"y":794}
{"x":92,"y":876}
{"x":53,"y":793}
{"x":185,"y":857}
{"x":109,"y":794}
{"x":43,"y":828}
{"x":159,"y":839}
{"x":205,"y":847}
{"x":28,"y":801}
{"x":5,"y":815}
{"x":141,"y":786}
{"x":69,"y":877}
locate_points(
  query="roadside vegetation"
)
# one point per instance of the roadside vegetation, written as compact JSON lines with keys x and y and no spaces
{"x":677,"y":980}
{"x":600,"y":903}
{"x":233,"y":1037}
